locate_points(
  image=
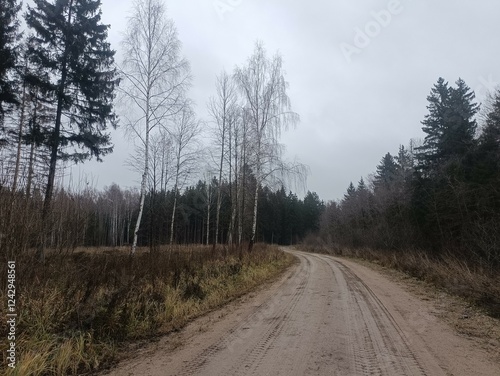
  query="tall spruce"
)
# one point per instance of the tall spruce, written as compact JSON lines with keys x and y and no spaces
{"x":9,"y":36}
{"x":490,"y":138}
{"x":450,"y":126}
{"x":460,"y":128}
{"x":433,"y":126}
{"x":69,"y":43}
{"x":386,"y":172}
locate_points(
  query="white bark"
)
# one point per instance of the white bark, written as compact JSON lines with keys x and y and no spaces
{"x":222,"y":108}
{"x":155,"y":78}
{"x":185,"y":131}
{"x":264,"y":88}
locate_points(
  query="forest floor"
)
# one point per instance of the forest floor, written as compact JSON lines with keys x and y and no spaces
{"x":330,"y":316}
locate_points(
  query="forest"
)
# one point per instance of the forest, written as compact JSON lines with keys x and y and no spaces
{"x":220,"y":180}
{"x":439,"y":195}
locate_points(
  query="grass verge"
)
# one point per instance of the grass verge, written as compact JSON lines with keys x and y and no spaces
{"x":77,"y":313}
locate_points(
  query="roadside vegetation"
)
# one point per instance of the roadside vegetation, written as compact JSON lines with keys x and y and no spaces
{"x":433,"y":209}
{"x":79,"y":312}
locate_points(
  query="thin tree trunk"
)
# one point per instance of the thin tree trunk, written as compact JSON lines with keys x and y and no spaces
{"x":219,"y":190}
{"x":208,"y":213}
{"x":19,"y":138}
{"x":30,"y":169}
{"x":173,"y":218}
{"x":254,"y":220}
{"x":143,"y":182}
{"x":176,"y":186}
{"x":241,"y":216}
{"x":233,"y":187}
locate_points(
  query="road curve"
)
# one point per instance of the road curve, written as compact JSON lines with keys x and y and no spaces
{"x":324,"y":317}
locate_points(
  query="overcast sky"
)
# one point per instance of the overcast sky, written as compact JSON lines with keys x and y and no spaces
{"x":359,"y":71}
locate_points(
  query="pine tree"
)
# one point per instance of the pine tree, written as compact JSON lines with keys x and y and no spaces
{"x":351,"y":192}
{"x":450,"y":126}
{"x":433,"y":125}
{"x":69,"y":44}
{"x":405,"y":163}
{"x":486,"y":160}
{"x":490,"y":138}
{"x":9,"y":35}
{"x":386,"y":172}
{"x":460,"y":126}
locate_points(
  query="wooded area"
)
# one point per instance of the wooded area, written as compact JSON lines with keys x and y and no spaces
{"x":62,"y":91}
{"x":440,"y":195}
{"x":60,"y":82}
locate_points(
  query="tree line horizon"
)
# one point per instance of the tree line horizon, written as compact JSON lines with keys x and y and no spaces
{"x":61,"y":92}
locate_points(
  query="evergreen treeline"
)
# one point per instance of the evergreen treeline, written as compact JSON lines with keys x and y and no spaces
{"x":283,"y":218}
{"x":94,"y":218}
{"x":440,"y":196}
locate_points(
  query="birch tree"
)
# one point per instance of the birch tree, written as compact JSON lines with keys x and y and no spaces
{"x":184,"y":133}
{"x":222,"y":108}
{"x":263,"y":86}
{"x":156,"y":77}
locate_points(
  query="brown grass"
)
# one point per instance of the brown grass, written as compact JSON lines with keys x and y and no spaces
{"x":78,"y":312}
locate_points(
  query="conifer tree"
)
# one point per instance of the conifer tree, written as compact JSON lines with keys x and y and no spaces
{"x":450,"y":126}
{"x":351,"y":191}
{"x":433,"y":125}
{"x":386,"y":172}
{"x":68,"y":42}
{"x":9,"y":24}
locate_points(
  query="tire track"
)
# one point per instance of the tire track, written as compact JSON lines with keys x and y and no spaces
{"x":271,"y":314}
{"x":322,"y":318}
{"x":382,"y":349}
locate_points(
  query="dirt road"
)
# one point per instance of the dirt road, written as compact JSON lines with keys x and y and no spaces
{"x":324,"y":317}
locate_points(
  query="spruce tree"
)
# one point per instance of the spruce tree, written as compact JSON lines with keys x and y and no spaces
{"x":68,"y":42}
{"x":386,"y":172}
{"x":450,"y":126}
{"x":433,"y":125}
{"x":351,"y":192}
{"x":9,"y":36}
{"x":490,"y":138}
{"x":460,"y":127}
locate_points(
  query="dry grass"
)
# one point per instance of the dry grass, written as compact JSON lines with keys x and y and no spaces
{"x":77,"y":312}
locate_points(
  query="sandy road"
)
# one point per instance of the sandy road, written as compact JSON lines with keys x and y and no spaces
{"x":324,"y":317}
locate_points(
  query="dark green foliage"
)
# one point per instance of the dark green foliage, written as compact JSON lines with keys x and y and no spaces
{"x":75,"y":73}
{"x":9,"y":24}
{"x":69,"y":45}
{"x":450,"y":126}
{"x":387,"y":172}
{"x":351,"y":192}
{"x":448,"y":202}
